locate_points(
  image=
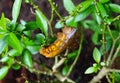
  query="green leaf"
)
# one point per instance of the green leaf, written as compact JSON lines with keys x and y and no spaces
{"x":71,"y":22}
{"x":3,"y":43}
{"x":104,"y":1}
{"x":3,"y":72}
{"x":95,"y":38}
{"x":31,"y":25}
{"x":3,"y":22}
{"x":16,"y":10}
{"x":39,"y":39}
{"x":13,"y":53}
{"x":115,"y":7}
{"x":102,"y":10}
{"x":27,"y":33}
{"x":96,"y":55}
{"x":117,"y":77}
{"x":16,"y":66}
{"x":33,"y":49}
{"x":41,"y":21}
{"x":90,"y":70}
{"x":73,"y":54}
{"x":85,"y":5}
{"x":27,"y":59}
{"x":65,"y":70}
{"x":14,"y":42}
{"x":59,"y":24}
{"x":69,"y":5}
{"x":20,"y":27}
{"x":84,"y":14}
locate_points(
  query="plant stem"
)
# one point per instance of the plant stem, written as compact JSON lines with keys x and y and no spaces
{"x":78,"y":54}
{"x":54,"y":8}
{"x":112,"y":50}
{"x":115,"y":55}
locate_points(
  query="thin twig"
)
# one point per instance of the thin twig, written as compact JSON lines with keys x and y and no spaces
{"x":78,"y":54}
{"x":112,"y":51}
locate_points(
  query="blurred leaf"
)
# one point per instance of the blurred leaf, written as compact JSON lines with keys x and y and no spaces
{"x":41,"y":21}
{"x":98,"y":18}
{"x":85,"y":5}
{"x":91,"y":24}
{"x":71,"y":22}
{"x":84,"y":14}
{"x":33,"y":49}
{"x":16,"y":66}
{"x":4,"y":59}
{"x":95,"y":38}
{"x":27,"y":59}
{"x":20,"y":27}
{"x":14,"y":42}
{"x":96,"y":55}
{"x":16,"y":10}
{"x":102,"y":10}
{"x":3,"y":43}
{"x":59,"y":24}
{"x":69,"y":5}
{"x":115,"y":7}
{"x":13,"y":53}
{"x":3,"y":22}
{"x":39,"y":39}
{"x":73,"y":54}
{"x":102,"y":64}
{"x":65,"y":70}
{"x":117,"y":77}
{"x":27,"y":33}
{"x":90,"y":70}
{"x":104,"y":1}
{"x":31,"y":25}
{"x":3,"y":72}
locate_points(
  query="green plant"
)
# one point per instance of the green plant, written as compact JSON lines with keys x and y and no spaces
{"x":17,"y":45}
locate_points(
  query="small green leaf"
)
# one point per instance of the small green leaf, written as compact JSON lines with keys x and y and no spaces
{"x":71,"y":22}
{"x":33,"y":49}
{"x":41,"y":21}
{"x":31,"y":25}
{"x":69,"y":5}
{"x":27,"y":33}
{"x":84,"y":14}
{"x":102,"y":10}
{"x":13,"y":53}
{"x":73,"y":54}
{"x":3,"y":72}
{"x":95,"y":38}
{"x":20,"y":27}
{"x":104,"y":1}
{"x":85,"y":4}
{"x":102,"y":63}
{"x":27,"y":59}
{"x":3,"y":43}
{"x":14,"y":42}
{"x":65,"y":70}
{"x":59,"y":24}
{"x":115,"y":7}
{"x":96,"y":55}
{"x":16,"y":66}
{"x":90,"y":70}
{"x":3,"y":22}
{"x":4,"y":59}
{"x":16,"y":10}
{"x":39,"y":39}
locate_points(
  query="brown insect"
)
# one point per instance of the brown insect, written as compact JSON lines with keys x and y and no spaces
{"x":60,"y":44}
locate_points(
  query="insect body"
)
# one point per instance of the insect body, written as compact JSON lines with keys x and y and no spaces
{"x":60,"y":44}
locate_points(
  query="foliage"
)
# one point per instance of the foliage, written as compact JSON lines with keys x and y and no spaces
{"x":17,"y":46}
